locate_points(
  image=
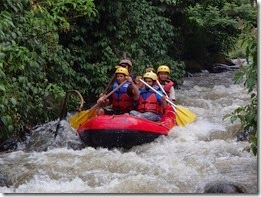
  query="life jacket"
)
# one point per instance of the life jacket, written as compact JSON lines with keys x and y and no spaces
{"x":121,"y":101}
{"x":167,"y":86}
{"x":148,"y":102}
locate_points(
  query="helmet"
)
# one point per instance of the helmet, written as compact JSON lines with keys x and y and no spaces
{"x":163,"y":68}
{"x":122,"y":71}
{"x":151,"y":75}
{"x":126,"y":61}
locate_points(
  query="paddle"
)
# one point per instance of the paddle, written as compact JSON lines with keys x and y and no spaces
{"x":178,"y":120}
{"x":181,"y":120}
{"x":183,"y":115}
{"x":83,"y":116}
{"x":109,"y":84}
{"x":64,"y":109}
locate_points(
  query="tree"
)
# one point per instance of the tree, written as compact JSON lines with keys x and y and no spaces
{"x":30,"y":57}
{"x":248,"y":114}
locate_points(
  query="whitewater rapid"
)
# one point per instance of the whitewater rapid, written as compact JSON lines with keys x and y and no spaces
{"x":185,"y":161}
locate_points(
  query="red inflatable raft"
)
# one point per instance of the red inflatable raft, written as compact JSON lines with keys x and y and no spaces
{"x":124,"y":131}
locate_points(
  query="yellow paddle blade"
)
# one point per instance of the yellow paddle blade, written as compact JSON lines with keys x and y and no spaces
{"x":81,"y":117}
{"x":184,"y":116}
{"x":179,"y":121}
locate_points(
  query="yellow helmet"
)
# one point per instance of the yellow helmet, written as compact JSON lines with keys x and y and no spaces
{"x":163,"y":68}
{"x":126,"y":61}
{"x":122,"y":71}
{"x":150,"y":75}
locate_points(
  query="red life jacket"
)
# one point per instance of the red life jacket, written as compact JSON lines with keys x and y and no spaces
{"x":148,"y":102}
{"x":121,"y":101}
{"x":167,"y":85}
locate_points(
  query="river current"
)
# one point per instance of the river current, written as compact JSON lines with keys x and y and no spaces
{"x":187,"y":160}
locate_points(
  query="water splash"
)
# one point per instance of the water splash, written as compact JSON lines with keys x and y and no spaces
{"x":186,"y":161}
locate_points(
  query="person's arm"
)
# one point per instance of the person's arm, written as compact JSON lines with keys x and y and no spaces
{"x":135,"y":90}
{"x":172,"y":94}
{"x":161,"y":101}
{"x":102,"y":101}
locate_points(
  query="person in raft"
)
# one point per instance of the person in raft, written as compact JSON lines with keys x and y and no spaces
{"x":163,"y":73}
{"x":150,"y":105}
{"x":138,"y":83}
{"x":126,"y":63}
{"x":123,"y":99}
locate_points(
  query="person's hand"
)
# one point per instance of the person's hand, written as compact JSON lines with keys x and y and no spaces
{"x":101,"y":94}
{"x":101,"y":99}
{"x":149,"y":69}
{"x":163,"y":98}
{"x":129,"y":79}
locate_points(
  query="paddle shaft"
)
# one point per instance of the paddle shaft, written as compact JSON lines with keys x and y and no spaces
{"x":185,"y":118}
{"x":62,"y":115}
{"x":162,"y":89}
{"x":180,"y":119}
{"x":154,"y":90}
{"x":83,"y":116}
{"x":107,"y":95}
{"x":109,"y":84}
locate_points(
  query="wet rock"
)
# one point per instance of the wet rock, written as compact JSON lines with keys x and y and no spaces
{"x":4,"y":182}
{"x":245,"y":135}
{"x":223,"y":187}
{"x":8,"y":145}
{"x":192,"y":66}
{"x":218,"y":68}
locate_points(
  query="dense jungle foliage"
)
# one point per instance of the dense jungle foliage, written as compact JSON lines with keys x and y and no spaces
{"x":248,"y":114}
{"x":48,"y":47}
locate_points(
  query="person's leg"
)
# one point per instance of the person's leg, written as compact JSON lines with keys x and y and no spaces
{"x":134,"y":113}
{"x":146,"y":115}
{"x":151,"y":116}
{"x":100,"y":111}
{"x":108,"y":111}
{"x":104,"y":111}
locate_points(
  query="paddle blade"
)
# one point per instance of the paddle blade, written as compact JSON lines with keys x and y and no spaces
{"x":184,"y":116}
{"x":179,"y":120}
{"x":81,"y":117}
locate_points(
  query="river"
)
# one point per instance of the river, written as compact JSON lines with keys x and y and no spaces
{"x":187,"y":160}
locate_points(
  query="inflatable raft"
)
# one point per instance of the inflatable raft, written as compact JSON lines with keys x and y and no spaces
{"x":110,"y":131}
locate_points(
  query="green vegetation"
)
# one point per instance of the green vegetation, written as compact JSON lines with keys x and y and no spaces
{"x":33,"y":62}
{"x":248,"y":114}
{"x":48,"y":47}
